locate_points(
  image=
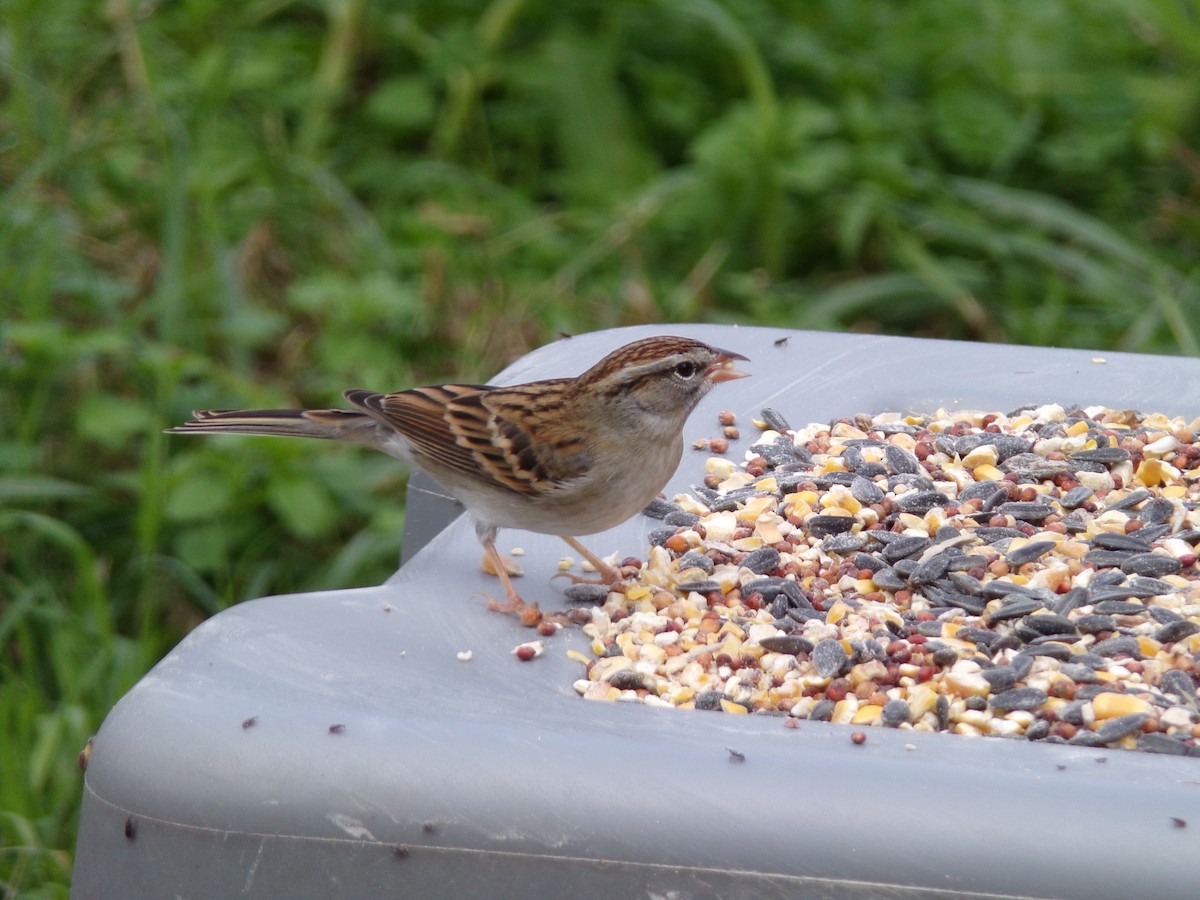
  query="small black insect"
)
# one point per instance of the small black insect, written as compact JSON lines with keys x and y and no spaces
{"x":782,"y":342}
{"x":337,"y":729}
{"x":736,"y":755}
{"x":131,"y":829}
{"x":250,"y":722}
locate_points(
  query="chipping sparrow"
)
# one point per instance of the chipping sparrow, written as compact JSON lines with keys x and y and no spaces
{"x":566,"y":456}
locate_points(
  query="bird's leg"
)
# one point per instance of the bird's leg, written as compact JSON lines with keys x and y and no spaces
{"x":515,"y":603}
{"x":528,"y":613}
{"x":608,"y":575}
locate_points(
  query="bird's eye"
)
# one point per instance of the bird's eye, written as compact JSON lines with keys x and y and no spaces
{"x":685,"y":369}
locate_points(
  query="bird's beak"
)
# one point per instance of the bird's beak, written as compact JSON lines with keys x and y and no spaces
{"x":723,"y":370}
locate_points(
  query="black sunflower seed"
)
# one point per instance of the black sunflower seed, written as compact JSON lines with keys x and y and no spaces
{"x":1108,"y":456}
{"x":700,"y":587}
{"x":906,"y":546}
{"x":693,"y":559}
{"x":920,"y":502}
{"x":1176,"y":631}
{"x":1130,"y":500}
{"x":931,"y":570}
{"x":1117,"y":646}
{"x":843,"y":544}
{"x":1121,"y":726}
{"x":659,"y":508}
{"x":1156,"y":742}
{"x":828,"y":657}
{"x":790,"y":644}
{"x":1026,"y":698}
{"x":901,"y":461}
{"x":888,"y":579}
{"x":1151,"y":565}
{"x":762,"y":560}
{"x":866,"y":491}
{"x":1051,"y":623}
{"x":1103,"y":559}
{"x":586,"y":593}
{"x":980,"y":490}
{"x":1118,"y":540}
{"x":1030,"y":552}
{"x":1076,"y":497}
{"x":775,"y":420}
{"x":1015,"y":608}
{"x":1026,"y":512}
{"x":1156,"y":511}
{"x":823,"y":526}
{"x":1072,"y":599}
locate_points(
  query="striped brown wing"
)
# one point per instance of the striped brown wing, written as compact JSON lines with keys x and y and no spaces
{"x":498,"y":436}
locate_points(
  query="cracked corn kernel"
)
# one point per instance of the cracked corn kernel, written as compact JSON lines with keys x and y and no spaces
{"x":866,"y":715}
{"x":986,"y":472}
{"x":1109,"y":705}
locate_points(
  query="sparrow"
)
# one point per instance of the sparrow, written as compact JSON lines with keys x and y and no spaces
{"x":564,"y":456}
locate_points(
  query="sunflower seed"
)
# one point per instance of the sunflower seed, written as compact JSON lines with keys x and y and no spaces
{"x":789,"y":644}
{"x":1030,"y":552}
{"x":775,"y":419}
{"x":1151,"y":565}
{"x":762,"y":560}
{"x":1019,"y":698}
{"x":828,"y":657}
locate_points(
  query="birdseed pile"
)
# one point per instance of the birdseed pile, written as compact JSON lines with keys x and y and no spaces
{"x":1030,"y":574}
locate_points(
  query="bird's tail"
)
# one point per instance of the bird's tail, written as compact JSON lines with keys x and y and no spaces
{"x":324,"y":424}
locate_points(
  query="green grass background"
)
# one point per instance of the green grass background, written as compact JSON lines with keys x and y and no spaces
{"x":208,"y":203}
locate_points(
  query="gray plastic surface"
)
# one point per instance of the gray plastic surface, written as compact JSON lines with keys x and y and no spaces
{"x":492,"y":778}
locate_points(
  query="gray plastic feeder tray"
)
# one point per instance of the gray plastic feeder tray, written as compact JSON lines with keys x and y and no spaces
{"x":334,"y":745}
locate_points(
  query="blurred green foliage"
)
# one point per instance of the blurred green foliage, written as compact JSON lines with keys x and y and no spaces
{"x":216,"y":204}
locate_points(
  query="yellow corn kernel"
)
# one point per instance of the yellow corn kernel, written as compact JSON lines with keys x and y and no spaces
{"x":836,"y":613}
{"x":1148,"y":646}
{"x":844,"y":710}
{"x":1110,"y":705}
{"x":867,"y":715}
{"x":601,"y":690}
{"x":755,"y":507}
{"x":1150,"y":472}
{"x":767,"y":528}
{"x":921,"y":699}
{"x":983,"y":455}
{"x":987,"y":473}
{"x":732,"y":628}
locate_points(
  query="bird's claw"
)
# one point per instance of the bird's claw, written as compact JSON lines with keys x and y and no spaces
{"x":528,"y":614}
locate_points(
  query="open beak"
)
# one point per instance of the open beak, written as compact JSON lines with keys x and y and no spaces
{"x":723,"y":370}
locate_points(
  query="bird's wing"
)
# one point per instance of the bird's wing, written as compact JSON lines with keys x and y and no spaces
{"x":494,"y":435}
